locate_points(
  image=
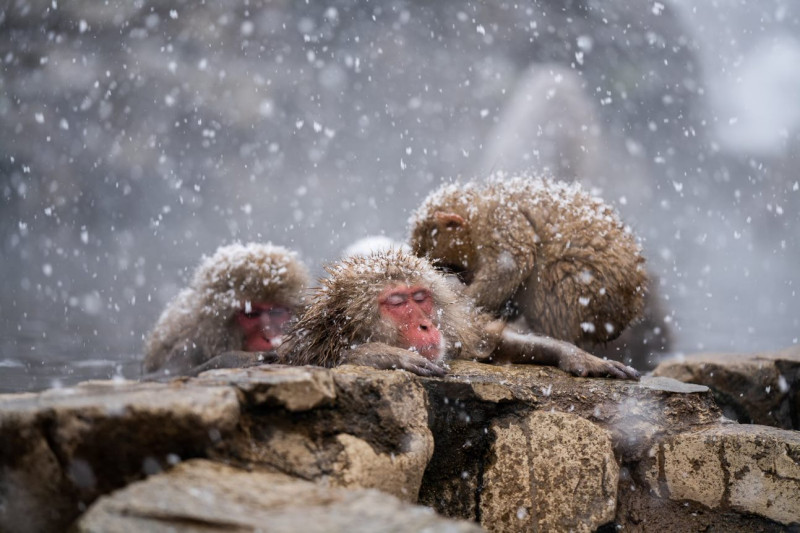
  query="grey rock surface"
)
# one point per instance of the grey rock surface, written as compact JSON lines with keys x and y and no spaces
{"x":747,"y":468}
{"x":510,"y":447}
{"x":759,"y":388}
{"x":63,"y":448}
{"x":349,"y":427}
{"x":481,"y":413}
{"x":200,"y":496}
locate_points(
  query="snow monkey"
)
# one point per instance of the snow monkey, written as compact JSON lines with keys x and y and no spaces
{"x":394,"y":310}
{"x":542,"y":250}
{"x":241,"y":299}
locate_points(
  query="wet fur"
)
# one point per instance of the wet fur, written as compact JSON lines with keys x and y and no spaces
{"x":198,"y":324}
{"x":546,"y":250}
{"x":344,"y":312}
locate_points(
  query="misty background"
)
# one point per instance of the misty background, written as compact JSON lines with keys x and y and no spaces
{"x":136,"y":136}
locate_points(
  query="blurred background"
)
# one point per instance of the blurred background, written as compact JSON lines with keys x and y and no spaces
{"x":137,"y":135}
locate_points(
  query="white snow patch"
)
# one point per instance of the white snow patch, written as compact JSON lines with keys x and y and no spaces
{"x":373,"y":244}
{"x":783,"y":386}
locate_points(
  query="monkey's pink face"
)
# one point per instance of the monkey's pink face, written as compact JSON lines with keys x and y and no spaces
{"x":263,"y":325}
{"x":410,"y":310}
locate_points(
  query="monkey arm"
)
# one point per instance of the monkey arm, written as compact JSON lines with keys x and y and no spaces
{"x":232,"y":359}
{"x":506,"y":249}
{"x":497,"y":278}
{"x":385,"y":357}
{"x":530,"y":348}
{"x":490,"y":292}
{"x":236,"y":359}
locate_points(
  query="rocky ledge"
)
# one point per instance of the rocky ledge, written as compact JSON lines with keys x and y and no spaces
{"x":758,"y":388}
{"x":279,"y":448}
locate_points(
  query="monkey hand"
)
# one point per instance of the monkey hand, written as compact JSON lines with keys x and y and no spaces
{"x":232,"y":359}
{"x":579,"y":363}
{"x":236,"y":359}
{"x":386,"y":357}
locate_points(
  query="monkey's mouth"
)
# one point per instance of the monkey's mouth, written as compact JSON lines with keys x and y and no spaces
{"x":264,"y":343}
{"x":453,"y":269}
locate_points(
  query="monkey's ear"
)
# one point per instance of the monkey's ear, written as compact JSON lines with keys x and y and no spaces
{"x":449,"y":220}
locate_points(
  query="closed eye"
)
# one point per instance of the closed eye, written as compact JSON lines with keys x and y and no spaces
{"x":396,"y":299}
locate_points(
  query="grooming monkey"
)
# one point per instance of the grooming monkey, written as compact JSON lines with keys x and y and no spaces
{"x":393,"y":310}
{"x":551,"y":122}
{"x":540,"y":250}
{"x":239,"y":303}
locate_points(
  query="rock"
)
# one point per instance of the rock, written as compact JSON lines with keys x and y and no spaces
{"x":633,"y":411}
{"x":348,"y":427}
{"x":640,"y":511}
{"x":760,"y":388}
{"x":202,"y":496}
{"x":485,"y":437}
{"x":293,"y":389}
{"x":671,"y":385}
{"x":62,"y":448}
{"x":360,"y":427}
{"x":549,"y":472}
{"x":746,"y":468}
{"x":516,"y":447}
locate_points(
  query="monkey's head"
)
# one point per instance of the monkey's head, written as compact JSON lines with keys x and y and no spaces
{"x":390,"y":297}
{"x":253,"y":290}
{"x":441,"y":230}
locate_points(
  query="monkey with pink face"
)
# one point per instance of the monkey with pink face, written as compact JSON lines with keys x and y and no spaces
{"x":392,"y":310}
{"x":234,"y":312}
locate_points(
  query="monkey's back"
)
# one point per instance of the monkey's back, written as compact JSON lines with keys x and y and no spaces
{"x":551,"y":250}
{"x":588,"y":280}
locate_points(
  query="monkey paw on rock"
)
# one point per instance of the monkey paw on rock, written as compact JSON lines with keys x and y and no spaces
{"x":582,"y":364}
{"x":386,"y":357}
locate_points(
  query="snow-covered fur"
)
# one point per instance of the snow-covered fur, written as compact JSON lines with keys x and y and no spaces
{"x":198,"y":323}
{"x":542,"y":248}
{"x":344,"y":311}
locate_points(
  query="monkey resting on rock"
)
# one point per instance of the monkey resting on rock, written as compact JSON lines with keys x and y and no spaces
{"x":546,"y":250}
{"x":240,"y":302}
{"x":393,"y":310}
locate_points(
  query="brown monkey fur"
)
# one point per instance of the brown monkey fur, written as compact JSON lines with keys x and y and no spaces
{"x":545,"y":249}
{"x":644,"y":343}
{"x":343,"y":316}
{"x":342,"y":325}
{"x":199,"y":323}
